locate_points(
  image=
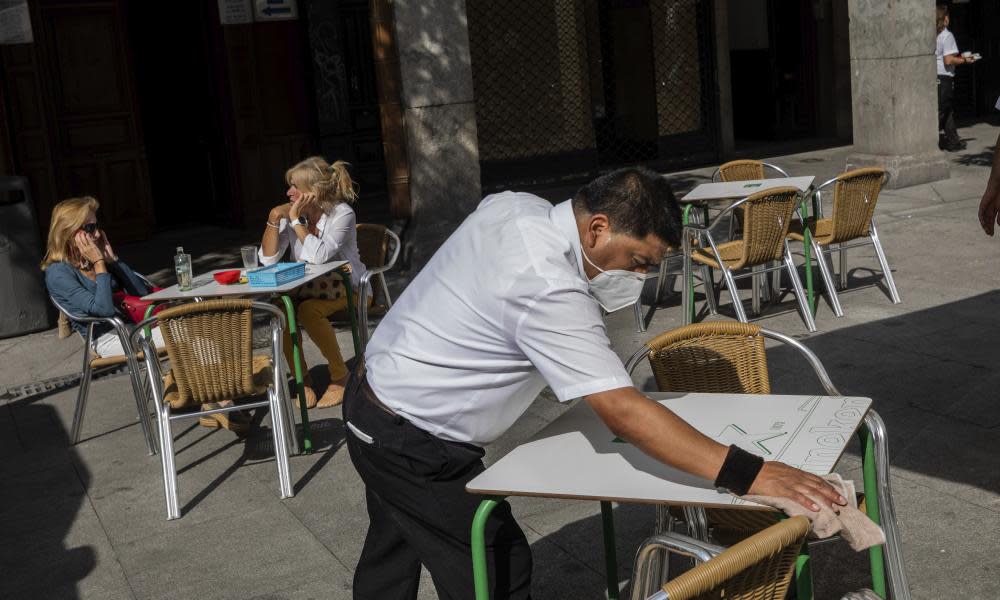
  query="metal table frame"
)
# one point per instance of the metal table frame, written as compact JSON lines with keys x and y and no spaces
{"x":884,"y":560}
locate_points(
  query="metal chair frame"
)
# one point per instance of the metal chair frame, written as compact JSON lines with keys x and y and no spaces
{"x":366,"y":284}
{"x":86,"y":374}
{"x":706,"y":276}
{"x":820,"y":252}
{"x":278,"y":403}
{"x":730,"y":279}
{"x":879,"y":446}
{"x":645,"y":576}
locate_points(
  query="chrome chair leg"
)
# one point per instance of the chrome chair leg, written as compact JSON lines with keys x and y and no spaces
{"x":734,"y":293}
{"x":169,"y":464}
{"x":697,"y":522}
{"x":166,"y":447}
{"x":843,"y":267}
{"x":385,"y":290}
{"x":800,"y":293}
{"x":141,"y":402}
{"x":755,"y":291}
{"x":688,"y":285}
{"x":826,"y":272}
{"x":286,"y":397}
{"x":709,"y":285}
{"x":887,"y":511}
{"x":278,"y":436}
{"x":81,"y":395}
{"x":640,"y":324}
{"x":886,"y":271}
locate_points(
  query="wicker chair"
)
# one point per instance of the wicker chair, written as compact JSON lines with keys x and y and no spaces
{"x":210,"y":349}
{"x":767,"y":217}
{"x":93,"y":363}
{"x":374,"y":243}
{"x":744,"y":170}
{"x":855,"y":194}
{"x":758,"y":568}
{"x":730,"y":357}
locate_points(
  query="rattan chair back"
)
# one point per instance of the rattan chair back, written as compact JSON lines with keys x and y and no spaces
{"x":741,"y":170}
{"x":210,"y":347}
{"x":766,"y":218}
{"x":854,"y":198}
{"x":757,"y":568}
{"x":373,"y":244}
{"x":712,"y":357}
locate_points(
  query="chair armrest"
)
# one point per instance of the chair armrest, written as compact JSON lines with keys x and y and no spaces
{"x":684,"y":545}
{"x":814,"y":362}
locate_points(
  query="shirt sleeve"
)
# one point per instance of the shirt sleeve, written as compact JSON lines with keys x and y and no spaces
{"x":68,"y":291}
{"x":948,"y":45}
{"x":128,"y":279}
{"x":563,"y":335}
{"x":336,"y":233}
{"x":283,"y":231}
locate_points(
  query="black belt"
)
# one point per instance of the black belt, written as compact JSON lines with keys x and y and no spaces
{"x":365,"y":390}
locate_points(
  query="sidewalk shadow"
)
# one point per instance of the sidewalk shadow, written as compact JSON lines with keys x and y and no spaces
{"x":43,"y":497}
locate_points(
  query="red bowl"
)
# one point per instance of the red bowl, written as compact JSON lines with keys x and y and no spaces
{"x":227,"y":277}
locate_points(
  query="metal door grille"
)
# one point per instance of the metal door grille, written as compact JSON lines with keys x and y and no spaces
{"x":565,"y":89}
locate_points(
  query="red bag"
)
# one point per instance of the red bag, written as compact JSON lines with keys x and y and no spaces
{"x":134,"y":306}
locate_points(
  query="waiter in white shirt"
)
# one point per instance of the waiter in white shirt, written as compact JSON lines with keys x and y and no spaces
{"x":510,"y":303}
{"x":946,"y":52}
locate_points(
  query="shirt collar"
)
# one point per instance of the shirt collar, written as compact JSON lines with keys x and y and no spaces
{"x":565,"y":221}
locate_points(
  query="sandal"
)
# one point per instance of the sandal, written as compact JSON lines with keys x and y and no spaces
{"x":310,"y":397}
{"x":235,"y":421}
{"x":333,"y":395}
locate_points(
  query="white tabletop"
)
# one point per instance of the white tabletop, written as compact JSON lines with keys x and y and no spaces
{"x":205,"y":286}
{"x":726,"y":190}
{"x":576,"y":456}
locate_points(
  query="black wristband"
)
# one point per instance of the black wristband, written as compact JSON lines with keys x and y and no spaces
{"x":738,"y":471}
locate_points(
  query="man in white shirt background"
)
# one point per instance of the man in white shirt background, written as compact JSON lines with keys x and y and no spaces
{"x":509,"y":304}
{"x":946,"y":52}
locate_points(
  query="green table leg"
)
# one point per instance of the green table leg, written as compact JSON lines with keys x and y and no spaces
{"x":610,"y":555}
{"x":803,"y":575}
{"x":876,"y":555}
{"x":689,"y":284}
{"x":147,"y":330}
{"x":711,"y":272}
{"x":305,"y":444}
{"x":807,"y":244}
{"x":480,"y":571}
{"x":352,"y":312}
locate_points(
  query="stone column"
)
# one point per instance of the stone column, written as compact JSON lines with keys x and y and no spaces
{"x":440,"y":114}
{"x":894,"y":90}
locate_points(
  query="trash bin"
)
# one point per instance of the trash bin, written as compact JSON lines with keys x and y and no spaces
{"x":24,"y":303}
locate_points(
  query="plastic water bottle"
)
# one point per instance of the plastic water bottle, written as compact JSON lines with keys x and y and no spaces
{"x":182,"y":266}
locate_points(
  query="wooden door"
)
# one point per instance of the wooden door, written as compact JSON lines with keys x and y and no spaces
{"x":75,"y":116}
{"x":270,"y":85}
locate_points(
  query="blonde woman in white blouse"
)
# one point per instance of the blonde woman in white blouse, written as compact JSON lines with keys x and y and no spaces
{"x":317,"y":225}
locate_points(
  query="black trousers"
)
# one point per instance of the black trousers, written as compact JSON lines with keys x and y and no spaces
{"x":419,"y":512}
{"x":946,"y":109}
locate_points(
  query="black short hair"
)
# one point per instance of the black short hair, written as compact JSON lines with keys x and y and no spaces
{"x":637,"y":202}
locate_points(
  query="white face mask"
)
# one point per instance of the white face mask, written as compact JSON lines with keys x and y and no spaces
{"x":616,"y":288}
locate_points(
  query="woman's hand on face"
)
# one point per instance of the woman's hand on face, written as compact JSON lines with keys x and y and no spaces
{"x":105,"y":246}
{"x":302,"y":205}
{"x":88,"y":249}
